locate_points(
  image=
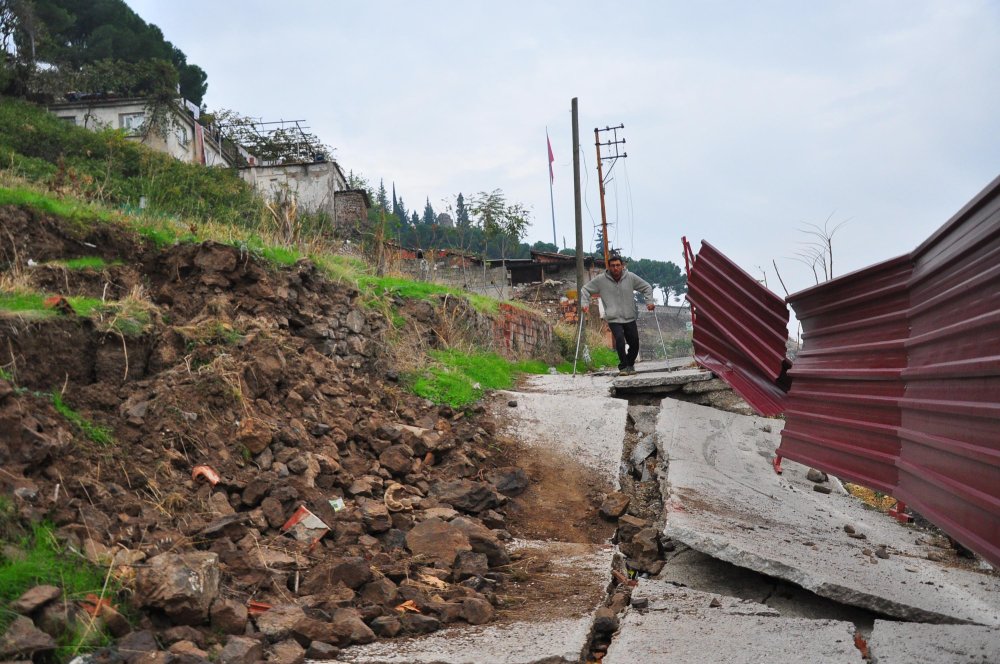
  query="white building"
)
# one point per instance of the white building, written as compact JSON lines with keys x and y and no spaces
{"x":313,"y":184}
{"x":181,"y":136}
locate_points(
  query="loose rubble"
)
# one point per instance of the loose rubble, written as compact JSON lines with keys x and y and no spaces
{"x":271,"y":491}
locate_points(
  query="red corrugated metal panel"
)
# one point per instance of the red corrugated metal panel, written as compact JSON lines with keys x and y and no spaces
{"x":843,"y":405}
{"x":950,"y":431}
{"x":740,"y":329}
{"x":898,"y":384}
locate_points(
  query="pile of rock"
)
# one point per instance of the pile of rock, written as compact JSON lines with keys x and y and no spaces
{"x":275,"y":486}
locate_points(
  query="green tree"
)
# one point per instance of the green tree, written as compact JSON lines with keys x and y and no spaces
{"x":503,"y":222}
{"x":545,"y":246}
{"x":398,"y":209}
{"x":73,"y":33}
{"x":430,"y":219}
{"x":381,"y":199}
{"x":415,"y":218}
{"x":661,"y":274}
{"x":461,"y":212}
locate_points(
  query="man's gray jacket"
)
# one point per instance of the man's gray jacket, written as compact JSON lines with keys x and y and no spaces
{"x":619,"y":303}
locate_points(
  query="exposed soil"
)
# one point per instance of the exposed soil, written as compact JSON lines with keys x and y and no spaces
{"x":561,"y":502}
{"x":279,"y":382}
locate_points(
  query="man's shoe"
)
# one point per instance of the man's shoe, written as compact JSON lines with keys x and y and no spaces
{"x":629,"y":371}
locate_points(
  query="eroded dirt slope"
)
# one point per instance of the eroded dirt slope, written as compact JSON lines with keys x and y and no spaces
{"x":252,"y":393}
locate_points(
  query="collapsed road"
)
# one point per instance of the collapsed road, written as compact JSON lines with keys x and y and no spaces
{"x":754,"y":566}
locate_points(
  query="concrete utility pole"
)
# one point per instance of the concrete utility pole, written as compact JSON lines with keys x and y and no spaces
{"x":614,"y":143}
{"x":578,"y":208}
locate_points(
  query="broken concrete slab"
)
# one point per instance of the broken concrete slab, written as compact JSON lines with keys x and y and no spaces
{"x":579,"y":575}
{"x":724,"y":499}
{"x":914,"y":643}
{"x":699,"y":571}
{"x":586,"y":427}
{"x":687,"y":625}
{"x":656,"y":382}
{"x":595,"y":383}
{"x":670,"y":364}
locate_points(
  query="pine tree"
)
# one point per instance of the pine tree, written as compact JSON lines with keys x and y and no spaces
{"x":429,"y":217}
{"x":382,"y":197}
{"x":415,"y":218}
{"x":461,"y":212}
{"x":400,"y":211}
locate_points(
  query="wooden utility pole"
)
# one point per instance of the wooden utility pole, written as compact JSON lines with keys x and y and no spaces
{"x":614,"y":143}
{"x":578,"y":209}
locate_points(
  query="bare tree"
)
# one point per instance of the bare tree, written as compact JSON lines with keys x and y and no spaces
{"x":817,"y":252}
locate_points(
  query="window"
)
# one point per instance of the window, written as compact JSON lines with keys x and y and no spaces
{"x":132,"y":122}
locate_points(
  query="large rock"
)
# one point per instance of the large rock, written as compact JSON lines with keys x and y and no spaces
{"x":437,"y":541}
{"x":228,"y":616}
{"x":614,"y":505}
{"x":380,"y":591}
{"x":466,"y":495}
{"x":35,"y":598}
{"x":375,"y":516}
{"x":351,"y":628}
{"x":397,"y":459}
{"x":23,"y":640}
{"x":482,"y":540}
{"x":510,"y":481}
{"x":352,"y":572}
{"x":287,"y":652}
{"x":241,"y":650}
{"x":254,"y":435}
{"x":181,"y":585}
{"x":476,"y":611}
{"x":280,"y":621}
{"x":138,"y":646}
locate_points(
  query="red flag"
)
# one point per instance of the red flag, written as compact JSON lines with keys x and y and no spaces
{"x":552,"y":158}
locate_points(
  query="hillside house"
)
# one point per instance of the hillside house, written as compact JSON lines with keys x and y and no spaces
{"x":182,"y":137}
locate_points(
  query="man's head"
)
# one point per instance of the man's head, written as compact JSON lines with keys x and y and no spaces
{"x":615,"y":266}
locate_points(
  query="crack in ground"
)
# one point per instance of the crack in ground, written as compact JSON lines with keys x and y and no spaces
{"x":640,"y":483}
{"x":672,"y":562}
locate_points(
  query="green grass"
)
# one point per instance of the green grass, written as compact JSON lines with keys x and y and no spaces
{"x":6,"y":375}
{"x":129,"y":319}
{"x":422,"y":290}
{"x":96,"y":433}
{"x":39,"y":559}
{"x":34,"y":304}
{"x":66,"y":208}
{"x":600,"y":358}
{"x":86,"y":263}
{"x":459,"y":379}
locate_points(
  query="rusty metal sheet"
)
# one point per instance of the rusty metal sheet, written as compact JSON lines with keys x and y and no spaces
{"x":843,"y":406}
{"x":949,"y":463}
{"x":740,"y":329}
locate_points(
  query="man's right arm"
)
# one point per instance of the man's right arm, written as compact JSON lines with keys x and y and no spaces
{"x":588,"y":290}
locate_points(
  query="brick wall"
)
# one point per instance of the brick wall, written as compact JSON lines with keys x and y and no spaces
{"x":522,"y":333}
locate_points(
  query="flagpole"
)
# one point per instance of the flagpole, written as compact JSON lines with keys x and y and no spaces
{"x":552,"y":200}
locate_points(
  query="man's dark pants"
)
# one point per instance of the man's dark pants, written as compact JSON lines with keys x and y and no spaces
{"x":626,"y":333}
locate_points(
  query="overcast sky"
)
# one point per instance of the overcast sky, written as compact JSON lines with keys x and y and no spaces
{"x":744,"y":121}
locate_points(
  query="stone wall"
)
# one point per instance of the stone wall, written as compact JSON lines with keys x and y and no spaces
{"x":350,"y":209}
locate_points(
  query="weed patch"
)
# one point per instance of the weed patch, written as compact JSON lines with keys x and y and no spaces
{"x":39,"y":559}
{"x":86,"y":263}
{"x":459,"y":379}
{"x":96,"y":433}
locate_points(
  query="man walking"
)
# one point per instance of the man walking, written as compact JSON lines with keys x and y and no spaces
{"x":615,"y":286}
